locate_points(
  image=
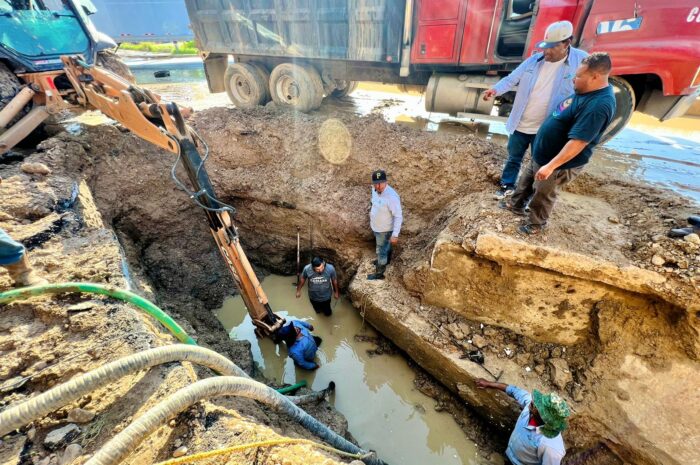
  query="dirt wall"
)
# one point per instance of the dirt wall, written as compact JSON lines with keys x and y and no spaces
{"x":586,"y":309}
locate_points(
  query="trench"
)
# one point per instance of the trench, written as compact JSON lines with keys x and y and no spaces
{"x":376,"y":394}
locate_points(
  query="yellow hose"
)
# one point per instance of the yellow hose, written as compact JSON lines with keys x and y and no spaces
{"x":270,"y":443}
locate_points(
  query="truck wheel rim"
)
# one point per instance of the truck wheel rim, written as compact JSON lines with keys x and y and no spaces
{"x":241,"y":89}
{"x":288,"y":89}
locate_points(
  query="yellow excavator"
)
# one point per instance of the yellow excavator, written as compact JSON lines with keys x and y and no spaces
{"x":52,"y":58}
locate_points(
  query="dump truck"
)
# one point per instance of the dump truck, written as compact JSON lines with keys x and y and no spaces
{"x":52,"y":59}
{"x":299,"y":51}
{"x":137,"y":21}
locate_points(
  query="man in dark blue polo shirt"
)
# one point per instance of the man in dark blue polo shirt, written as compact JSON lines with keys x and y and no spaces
{"x":565,"y":142}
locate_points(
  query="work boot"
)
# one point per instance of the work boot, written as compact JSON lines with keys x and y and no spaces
{"x":507,"y":205}
{"x":680,"y":232}
{"x":695,"y":221}
{"x":23,"y":274}
{"x":378,"y":274}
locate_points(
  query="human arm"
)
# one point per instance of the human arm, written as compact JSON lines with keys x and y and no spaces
{"x":509,"y":82}
{"x":568,"y":152}
{"x":305,"y":324}
{"x":397,"y":213}
{"x":300,"y":284}
{"x":481,"y":383}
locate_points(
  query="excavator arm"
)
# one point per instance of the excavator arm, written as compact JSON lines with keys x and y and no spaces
{"x":162,"y":124}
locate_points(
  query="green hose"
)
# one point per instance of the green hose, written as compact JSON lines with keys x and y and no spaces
{"x":120,"y":294}
{"x":293,"y":387}
{"x":90,"y":288}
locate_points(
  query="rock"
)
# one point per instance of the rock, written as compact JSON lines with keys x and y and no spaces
{"x":614,"y":219}
{"x":72,"y":452}
{"x":180,"y":451}
{"x":13,"y":384}
{"x":490,"y":332}
{"x":60,"y":436}
{"x":522,"y":359}
{"x":31,"y":434}
{"x":35,"y":168}
{"x":658,"y":238}
{"x":692,"y":238}
{"x":539,"y":369}
{"x":556,"y":352}
{"x":78,"y":415}
{"x":479,"y":341}
{"x":456,"y":331}
{"x":657,"y":260}
{"x":177,"y":443}
{"x":357,"y":462}
{"x":559,"y":372}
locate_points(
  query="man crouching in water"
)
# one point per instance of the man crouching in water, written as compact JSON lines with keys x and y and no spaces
{"x":301,"y":344}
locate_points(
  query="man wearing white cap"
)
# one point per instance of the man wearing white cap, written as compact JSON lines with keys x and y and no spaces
{"x":543,"y":80}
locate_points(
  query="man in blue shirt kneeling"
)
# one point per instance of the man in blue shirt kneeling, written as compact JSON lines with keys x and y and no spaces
{"x":536,"y":438}
{"x":301,"y":344}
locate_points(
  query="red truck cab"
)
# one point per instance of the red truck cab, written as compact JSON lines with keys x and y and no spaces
{"x":654,"y":46}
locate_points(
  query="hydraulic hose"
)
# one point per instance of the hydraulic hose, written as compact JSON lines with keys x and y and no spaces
{"x":91,"y":288}
{"x":293,"y":387}
{"x":126,"y":441}
{"x":25,"y":412}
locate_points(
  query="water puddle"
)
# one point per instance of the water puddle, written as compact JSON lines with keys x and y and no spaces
{"x":376,"y":394}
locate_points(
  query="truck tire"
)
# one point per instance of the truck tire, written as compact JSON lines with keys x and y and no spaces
{"x":109,"y":60}
{"x":265,"y":77}
{"x":245,"y":85}
{"x":296,"y":86}
{"x":625,"y":101}
{"x":344,"y":88}
{"x":10,"y":85}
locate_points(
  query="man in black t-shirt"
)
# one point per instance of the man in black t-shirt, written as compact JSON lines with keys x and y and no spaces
{"x":565,"y":142}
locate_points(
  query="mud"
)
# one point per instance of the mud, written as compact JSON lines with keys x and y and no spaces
{"x":46,"y":341}
{"x":581,"y":310}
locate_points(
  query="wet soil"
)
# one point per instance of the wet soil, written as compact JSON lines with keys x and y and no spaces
{"x":284,"y":182}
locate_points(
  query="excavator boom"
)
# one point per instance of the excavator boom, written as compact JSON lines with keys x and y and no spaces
{"x":162,"y":124}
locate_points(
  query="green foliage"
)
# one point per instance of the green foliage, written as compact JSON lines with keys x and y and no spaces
{"x":182,"y":48}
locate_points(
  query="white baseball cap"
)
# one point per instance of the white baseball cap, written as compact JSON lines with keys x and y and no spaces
{"x":556,"y":33}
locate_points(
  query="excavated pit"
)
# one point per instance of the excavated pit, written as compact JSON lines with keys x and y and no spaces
{"x":580,"y":310}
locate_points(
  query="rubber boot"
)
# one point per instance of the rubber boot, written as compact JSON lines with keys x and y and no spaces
{"x":378,"y":274}
{"x":681,"y":232}
{"x":23,"y":274}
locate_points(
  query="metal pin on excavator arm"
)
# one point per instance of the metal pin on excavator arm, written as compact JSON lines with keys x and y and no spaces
{"x":162,"y":124}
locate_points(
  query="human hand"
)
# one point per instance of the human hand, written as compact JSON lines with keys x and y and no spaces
{"x":337,"y":295}
{"x":489,"y":94}
{"x":394,"y":240}
{"x":298,"y":294}
{"x":311,"y":327}
{"x":544,"y":173}
{"x":481,"y":383}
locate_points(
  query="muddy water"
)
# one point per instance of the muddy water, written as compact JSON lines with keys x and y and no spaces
{"x":376,"y":394}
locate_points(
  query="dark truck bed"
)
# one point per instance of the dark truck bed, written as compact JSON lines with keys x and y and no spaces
{"x":354,"y":30}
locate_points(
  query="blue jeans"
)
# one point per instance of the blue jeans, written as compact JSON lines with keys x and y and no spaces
{"x":518,"y":143}
{"x":383,"y":247}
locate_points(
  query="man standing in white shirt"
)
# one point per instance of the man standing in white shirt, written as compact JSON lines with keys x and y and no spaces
{"x":385,"y":218}
{"x":542,"y":81}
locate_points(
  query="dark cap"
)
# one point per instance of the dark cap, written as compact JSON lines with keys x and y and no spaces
{"x":378,"y":176}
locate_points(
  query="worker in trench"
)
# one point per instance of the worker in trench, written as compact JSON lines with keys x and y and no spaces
{"x":536,"y":438}
{"x":301,"y":344}
{"x":323,"y":284}
{"x":13,"y":257}
{"x":564,"y":144}
{"x":385,"y":219}
{"x":542,"y":81}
